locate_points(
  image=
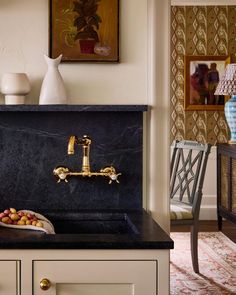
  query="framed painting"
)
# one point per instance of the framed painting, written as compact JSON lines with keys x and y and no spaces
{"x":202,"y":75}
{"x":84,"y":30}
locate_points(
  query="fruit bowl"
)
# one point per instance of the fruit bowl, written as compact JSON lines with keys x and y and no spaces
{"x":25,"y":220}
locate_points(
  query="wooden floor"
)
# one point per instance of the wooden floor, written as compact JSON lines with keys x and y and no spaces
{"x":228,"y":228}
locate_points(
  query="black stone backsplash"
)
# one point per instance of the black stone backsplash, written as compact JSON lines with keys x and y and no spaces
{"x":34,"y":141}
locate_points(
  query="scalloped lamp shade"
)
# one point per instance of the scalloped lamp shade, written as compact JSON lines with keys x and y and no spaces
{"x":227,"y":86}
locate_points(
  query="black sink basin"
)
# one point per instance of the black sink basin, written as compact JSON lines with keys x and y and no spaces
{"x":107,"y":230}
{"x":93,"y":223}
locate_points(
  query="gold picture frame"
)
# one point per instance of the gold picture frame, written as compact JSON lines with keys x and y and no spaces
{"x":84,"y":31}
{"x":202,"y":74}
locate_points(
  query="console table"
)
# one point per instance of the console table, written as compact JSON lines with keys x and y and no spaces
{"x":226,"y":183}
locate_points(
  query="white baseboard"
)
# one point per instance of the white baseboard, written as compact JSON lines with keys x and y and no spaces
{"x":208,"y":213}
{"x":208,"y":208}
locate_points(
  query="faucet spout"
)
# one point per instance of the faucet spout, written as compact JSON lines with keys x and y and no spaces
{"x":71,"y":145}
{"x":85,"y":141}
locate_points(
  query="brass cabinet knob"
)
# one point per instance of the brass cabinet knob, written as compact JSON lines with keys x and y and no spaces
{"x":45,"y":284}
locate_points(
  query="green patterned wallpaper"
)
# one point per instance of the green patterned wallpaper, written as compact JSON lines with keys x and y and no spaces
{"x":199,"y":30}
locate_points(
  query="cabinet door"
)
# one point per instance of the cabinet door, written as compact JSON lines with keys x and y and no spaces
{"x":9,"y":277}
{"x":224,"y":176}
{"x":233,"y":193}
{"x":96,"y":277}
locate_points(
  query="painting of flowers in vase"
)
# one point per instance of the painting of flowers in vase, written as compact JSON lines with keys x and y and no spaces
{"x":84,"y":30}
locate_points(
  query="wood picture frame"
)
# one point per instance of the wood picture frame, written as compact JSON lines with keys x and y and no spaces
{"x":84,"y":30}
{"x":202,"y":75}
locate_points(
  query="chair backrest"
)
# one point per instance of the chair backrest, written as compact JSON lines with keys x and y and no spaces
{"x":188,"y":167}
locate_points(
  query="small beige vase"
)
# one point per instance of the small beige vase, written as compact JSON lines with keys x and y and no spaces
{"x":15,"y":86}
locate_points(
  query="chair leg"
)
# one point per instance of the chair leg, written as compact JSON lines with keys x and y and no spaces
{"x":194,"y":247}
{"x":219,"y":219}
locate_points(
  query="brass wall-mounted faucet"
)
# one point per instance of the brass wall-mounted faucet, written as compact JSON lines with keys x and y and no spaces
{"x":61,"y":172}
{"x":85,"y":142}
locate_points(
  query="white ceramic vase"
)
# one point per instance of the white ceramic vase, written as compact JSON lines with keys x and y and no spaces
{"x":15,"y":86}
{"x":53,"y":90}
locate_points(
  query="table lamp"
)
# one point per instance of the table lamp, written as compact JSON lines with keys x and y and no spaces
{"x":227,"y":86}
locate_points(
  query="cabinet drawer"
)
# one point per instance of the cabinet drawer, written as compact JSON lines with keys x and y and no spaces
{"x":9,"y":277}
{"x":96,"y":277}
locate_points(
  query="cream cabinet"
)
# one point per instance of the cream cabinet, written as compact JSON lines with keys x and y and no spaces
{"x":84,"y":272}
{"x":10,"y":277}
{"x":95,"y":277}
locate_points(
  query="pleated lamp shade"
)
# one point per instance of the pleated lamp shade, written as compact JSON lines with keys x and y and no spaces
{"x":227,"y":86}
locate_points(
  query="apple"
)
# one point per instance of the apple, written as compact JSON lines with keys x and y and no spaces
{"x":5,"y":219}
{"x":14,"y":216}
{"x":2,"y":215}
{"x":20,"y":213}
{"x":13,"y":210}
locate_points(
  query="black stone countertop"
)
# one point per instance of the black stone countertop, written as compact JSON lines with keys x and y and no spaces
{"x":133,"y":230}
{"x":73,"y":108}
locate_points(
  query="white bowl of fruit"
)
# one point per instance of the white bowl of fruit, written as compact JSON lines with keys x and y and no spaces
{"x":25,"y":219}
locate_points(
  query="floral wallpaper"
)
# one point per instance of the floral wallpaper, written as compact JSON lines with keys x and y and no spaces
{"x":199,"y":30}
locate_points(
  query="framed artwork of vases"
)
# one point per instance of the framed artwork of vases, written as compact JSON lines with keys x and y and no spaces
{"x":84,"y":30}
{"x":202,"y":75}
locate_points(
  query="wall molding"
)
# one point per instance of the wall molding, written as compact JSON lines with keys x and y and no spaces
{"x":208,"y":213}
{"x":158,"y":128}
{"x":202,"y":2}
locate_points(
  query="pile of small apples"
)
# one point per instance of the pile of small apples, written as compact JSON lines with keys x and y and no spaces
{"x":11,"y":216}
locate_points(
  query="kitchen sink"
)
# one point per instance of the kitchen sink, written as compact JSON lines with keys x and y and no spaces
{"x":93,"y":223}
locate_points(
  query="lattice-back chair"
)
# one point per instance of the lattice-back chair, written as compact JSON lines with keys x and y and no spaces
{"x":188,"y":167}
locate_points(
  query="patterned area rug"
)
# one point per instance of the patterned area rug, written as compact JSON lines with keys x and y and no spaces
{"x":217,"y":265}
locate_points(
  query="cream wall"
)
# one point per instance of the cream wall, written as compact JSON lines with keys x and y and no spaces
{"x":24,"y":40}
{"x":141,"y":77}
{"x":158,"y":144}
